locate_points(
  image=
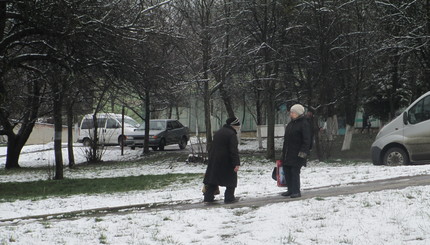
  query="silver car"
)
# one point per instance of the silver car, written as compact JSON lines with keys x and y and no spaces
{"x":162,"y":132}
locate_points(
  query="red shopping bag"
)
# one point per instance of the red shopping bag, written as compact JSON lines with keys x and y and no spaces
{"x":280,"y":176}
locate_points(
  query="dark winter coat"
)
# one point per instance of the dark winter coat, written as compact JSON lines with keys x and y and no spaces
{"x":223,"y":158}
{"x":297,"y":142}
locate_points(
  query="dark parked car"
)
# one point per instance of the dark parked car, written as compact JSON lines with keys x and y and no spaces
{"x":162,"y":132}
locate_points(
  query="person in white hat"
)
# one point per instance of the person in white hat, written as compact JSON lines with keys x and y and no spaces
{"x":296,"y":148}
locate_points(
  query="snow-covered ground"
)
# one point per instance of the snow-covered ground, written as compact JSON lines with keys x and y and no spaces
{"x":385,"y":217}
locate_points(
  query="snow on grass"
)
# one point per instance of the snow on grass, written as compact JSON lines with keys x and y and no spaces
{"x":388,"y":217}
{"x":384,"y":217}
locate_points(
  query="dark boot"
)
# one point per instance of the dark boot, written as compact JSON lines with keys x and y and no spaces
{"x":296,"y":195}
{"x":236,"y":199}
{"x":229,"y":195}
{"x":286,"y":194}
{"x":209,"y":194}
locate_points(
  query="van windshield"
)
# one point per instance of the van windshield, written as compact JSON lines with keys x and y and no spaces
{"x":130,"y":122}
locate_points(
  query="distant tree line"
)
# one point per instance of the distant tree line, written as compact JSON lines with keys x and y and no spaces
{"x":63,"y":58}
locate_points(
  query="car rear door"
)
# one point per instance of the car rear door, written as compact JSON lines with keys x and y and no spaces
{"x":112,"y":131}
{"x":101,"y":130}
{"x":177,"y":128}
{"x":170,"y":133}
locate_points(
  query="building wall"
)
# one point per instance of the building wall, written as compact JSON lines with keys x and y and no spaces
{"x":44,"y":133}
{"x":193,"y":116}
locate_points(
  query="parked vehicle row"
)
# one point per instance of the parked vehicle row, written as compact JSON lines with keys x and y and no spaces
{"x":162,"y":132}
{"x":404,"y":140}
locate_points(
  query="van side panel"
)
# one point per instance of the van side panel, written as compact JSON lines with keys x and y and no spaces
{"x":112,"y":131}
{"x":417,"y":132}
{"x":109,"y":128}
{"x":417,"y":141}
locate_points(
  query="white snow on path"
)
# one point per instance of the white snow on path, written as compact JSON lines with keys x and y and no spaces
{"x":388,"y":217}
{"x":385,"y":217}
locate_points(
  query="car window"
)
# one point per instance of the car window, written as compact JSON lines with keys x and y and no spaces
{"x":420,"y":111}
{"x":129,"y":122}
{"x":426,"y":108}
{"x":179,"y":124}
{"x":101,"y":122}
{"x":170,"y":125}
{"x":112,"y":123}
{"x":87,"y":124}
{"x":176,"y":124}
{"x":157,"y":125}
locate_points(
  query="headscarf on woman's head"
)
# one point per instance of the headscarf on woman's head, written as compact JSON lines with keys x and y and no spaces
{"x":297,"y":108}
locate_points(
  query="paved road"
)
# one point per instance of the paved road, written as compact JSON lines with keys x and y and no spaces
{"x":329,"y":191}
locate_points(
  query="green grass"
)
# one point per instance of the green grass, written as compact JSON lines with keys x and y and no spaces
{"x":359,"y":152}
{"x":360,"y":149}
{"x":66,"y":187}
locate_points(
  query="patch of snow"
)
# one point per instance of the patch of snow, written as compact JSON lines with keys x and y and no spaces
{"x":384,"y":217}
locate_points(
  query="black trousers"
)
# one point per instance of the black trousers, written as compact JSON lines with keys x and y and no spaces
{"x":209,"y":194}
{"x":292,"y":176}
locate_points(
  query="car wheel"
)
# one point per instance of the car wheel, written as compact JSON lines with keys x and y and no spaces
{"x":183,"y":143}
{"x":154,"y":148}
{"x":162,"y":144}
{"x":395,"y":156}
{"x":86,"y":142}
{"x":121,"y":142}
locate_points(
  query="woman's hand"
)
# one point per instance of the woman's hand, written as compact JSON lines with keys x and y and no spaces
{"x":303,"y":155}
{"x":236,"y":168}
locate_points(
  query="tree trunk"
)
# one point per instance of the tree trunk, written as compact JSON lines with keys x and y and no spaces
{"x":393,"y":99}
{"x":58,"y":129}
{"x":225,"y":62}
{"x":348,"y":137}
{"x":17,"y":141}
{"x":270,"y":107}
{"x":70,"y":135}
{"x":2,"y":20}
{"x":177,"y":112}
{"x":170,"y":112}
{"x":317,"y":143}
{"x":350,"y":121}
{"x":207,"y":110}
{"x":227,"y":101}
{"x":13,"y":152}
{"x":95,"y":140}
{"x":332,"y":127}
{"x":259,"y":119}
{"x":147,"y":120}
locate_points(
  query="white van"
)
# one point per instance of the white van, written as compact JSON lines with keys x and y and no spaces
{"x":109,"y":128}
{"x":406,"y":139}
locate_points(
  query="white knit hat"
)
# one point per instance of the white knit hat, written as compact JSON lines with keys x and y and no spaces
{"x":297,"y":108}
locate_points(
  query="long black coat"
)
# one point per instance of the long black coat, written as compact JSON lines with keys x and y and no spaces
{"x":297,"y":139}
{"x":223,"y":158}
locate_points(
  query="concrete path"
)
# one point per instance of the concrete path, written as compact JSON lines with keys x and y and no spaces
{"x":329,"y":191}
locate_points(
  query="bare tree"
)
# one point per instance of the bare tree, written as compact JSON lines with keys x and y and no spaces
{"x":263,"y":21}
{"x":22,"y":45}
{"x":199,"y":17}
